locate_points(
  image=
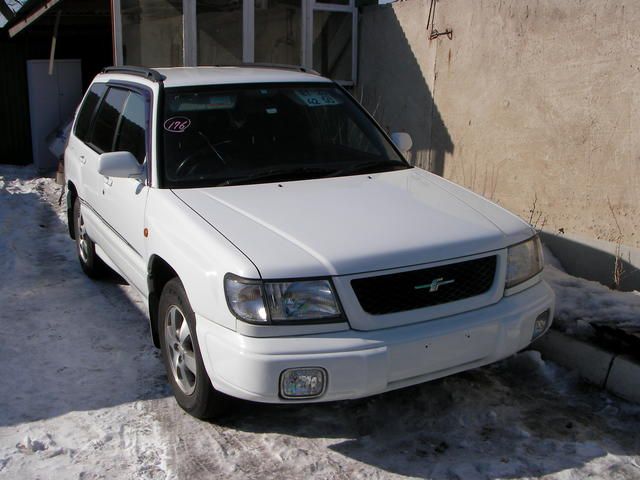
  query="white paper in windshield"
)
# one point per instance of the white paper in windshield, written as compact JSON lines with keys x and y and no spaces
{"x":201,"y":103}
{"x":317,"y":98}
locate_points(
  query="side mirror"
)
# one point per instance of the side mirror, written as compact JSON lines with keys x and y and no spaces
{"x":402,"y":140}
{"x":119,"y":165}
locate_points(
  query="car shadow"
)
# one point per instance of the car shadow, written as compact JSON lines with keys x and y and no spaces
{"x":70,"y":343}
{"x":518,"y":418}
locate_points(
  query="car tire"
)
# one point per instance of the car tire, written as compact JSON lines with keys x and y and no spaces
{"x":181,"y":356}
{"x":91,"y":264}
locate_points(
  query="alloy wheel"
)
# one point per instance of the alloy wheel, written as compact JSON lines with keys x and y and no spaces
{"x":83,"y":240}
{"x":182,"y":356}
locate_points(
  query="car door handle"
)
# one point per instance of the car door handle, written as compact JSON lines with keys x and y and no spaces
{"x":83,"y":159}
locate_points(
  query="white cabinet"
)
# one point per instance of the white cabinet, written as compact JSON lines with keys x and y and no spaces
{"x":52,"y":100}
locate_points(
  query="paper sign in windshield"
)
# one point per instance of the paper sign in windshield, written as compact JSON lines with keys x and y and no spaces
{"x":202,"y":103}
{"x":316,"y":98}
{"x":221,"y":102}
{"x":177,"y":124}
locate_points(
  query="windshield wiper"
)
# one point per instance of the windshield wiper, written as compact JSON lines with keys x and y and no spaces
{"x":373,"y":166}
{"x":300,"y":173}
{"x":279,"y":174}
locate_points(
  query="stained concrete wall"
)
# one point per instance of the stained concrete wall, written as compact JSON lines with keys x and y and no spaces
{"x":534,"y":104}
{"x":395,"y":72}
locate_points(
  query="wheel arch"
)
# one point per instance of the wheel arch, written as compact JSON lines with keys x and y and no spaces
{"x":159,"y":272}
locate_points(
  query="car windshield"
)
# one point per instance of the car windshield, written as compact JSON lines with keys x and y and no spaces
{"x":268,"y":133}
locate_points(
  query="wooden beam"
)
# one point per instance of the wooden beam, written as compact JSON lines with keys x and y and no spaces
{"x":32,"y":17}
{"x":54,"y":39}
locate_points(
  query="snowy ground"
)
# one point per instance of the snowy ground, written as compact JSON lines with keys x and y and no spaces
{"x":84,"y":394}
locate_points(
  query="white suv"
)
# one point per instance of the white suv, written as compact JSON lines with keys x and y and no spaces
{"x":286,"y":249}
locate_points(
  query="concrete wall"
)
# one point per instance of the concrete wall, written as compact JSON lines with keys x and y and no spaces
{"x":530,"y":102}
{"x":395,"y":73}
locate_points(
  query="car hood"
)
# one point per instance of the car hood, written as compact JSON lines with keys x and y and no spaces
{"x":354,"y":224}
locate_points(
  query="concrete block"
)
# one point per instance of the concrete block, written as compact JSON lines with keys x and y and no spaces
{"x":595,"y":259}
{"x":590,"y":361}
{"x":624,"y":378}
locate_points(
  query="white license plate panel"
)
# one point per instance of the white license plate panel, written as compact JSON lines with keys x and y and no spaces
{"x":442,"y":352}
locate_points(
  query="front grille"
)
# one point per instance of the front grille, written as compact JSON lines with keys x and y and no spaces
{"x":399,"y":292}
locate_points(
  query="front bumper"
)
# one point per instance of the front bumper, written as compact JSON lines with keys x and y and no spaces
{"x":363,"y":363}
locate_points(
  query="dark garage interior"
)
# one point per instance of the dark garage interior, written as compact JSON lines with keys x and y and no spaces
{"x":84,"y":33}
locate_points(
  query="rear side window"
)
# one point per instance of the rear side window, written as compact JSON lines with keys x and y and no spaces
{"x":131,"y":133}
{"x":86,"y":110}
{"x":106,"y":121}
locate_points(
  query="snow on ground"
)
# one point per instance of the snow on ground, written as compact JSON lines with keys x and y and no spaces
{"x":581,"y":302}
{"x":77,"y":362}
{"x":84,"y":394}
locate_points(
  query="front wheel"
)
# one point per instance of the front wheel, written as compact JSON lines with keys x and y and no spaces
{"x":181,"y":355}
{"x":91,"y":264}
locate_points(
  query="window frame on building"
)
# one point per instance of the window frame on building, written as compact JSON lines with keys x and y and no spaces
{"x":190,"y":35}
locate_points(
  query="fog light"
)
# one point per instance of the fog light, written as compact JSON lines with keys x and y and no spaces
{"x":303,"y":382}
{"x":540,"y":325}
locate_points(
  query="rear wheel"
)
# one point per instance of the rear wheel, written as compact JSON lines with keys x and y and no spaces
{"x":91,"y":264}
{"x":181,"y":355}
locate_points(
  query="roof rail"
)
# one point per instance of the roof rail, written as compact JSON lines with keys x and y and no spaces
{"x":282,"y":66}
{"x":148,"y":73}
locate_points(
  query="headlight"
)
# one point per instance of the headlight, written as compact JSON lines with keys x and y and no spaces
{"x":525,"y":261}
{"x":245,"y":299}
{"x":281,"y":302}
{"x":301,"y":300}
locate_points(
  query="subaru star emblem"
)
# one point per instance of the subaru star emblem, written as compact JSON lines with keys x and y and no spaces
{"x":434,"y":285}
